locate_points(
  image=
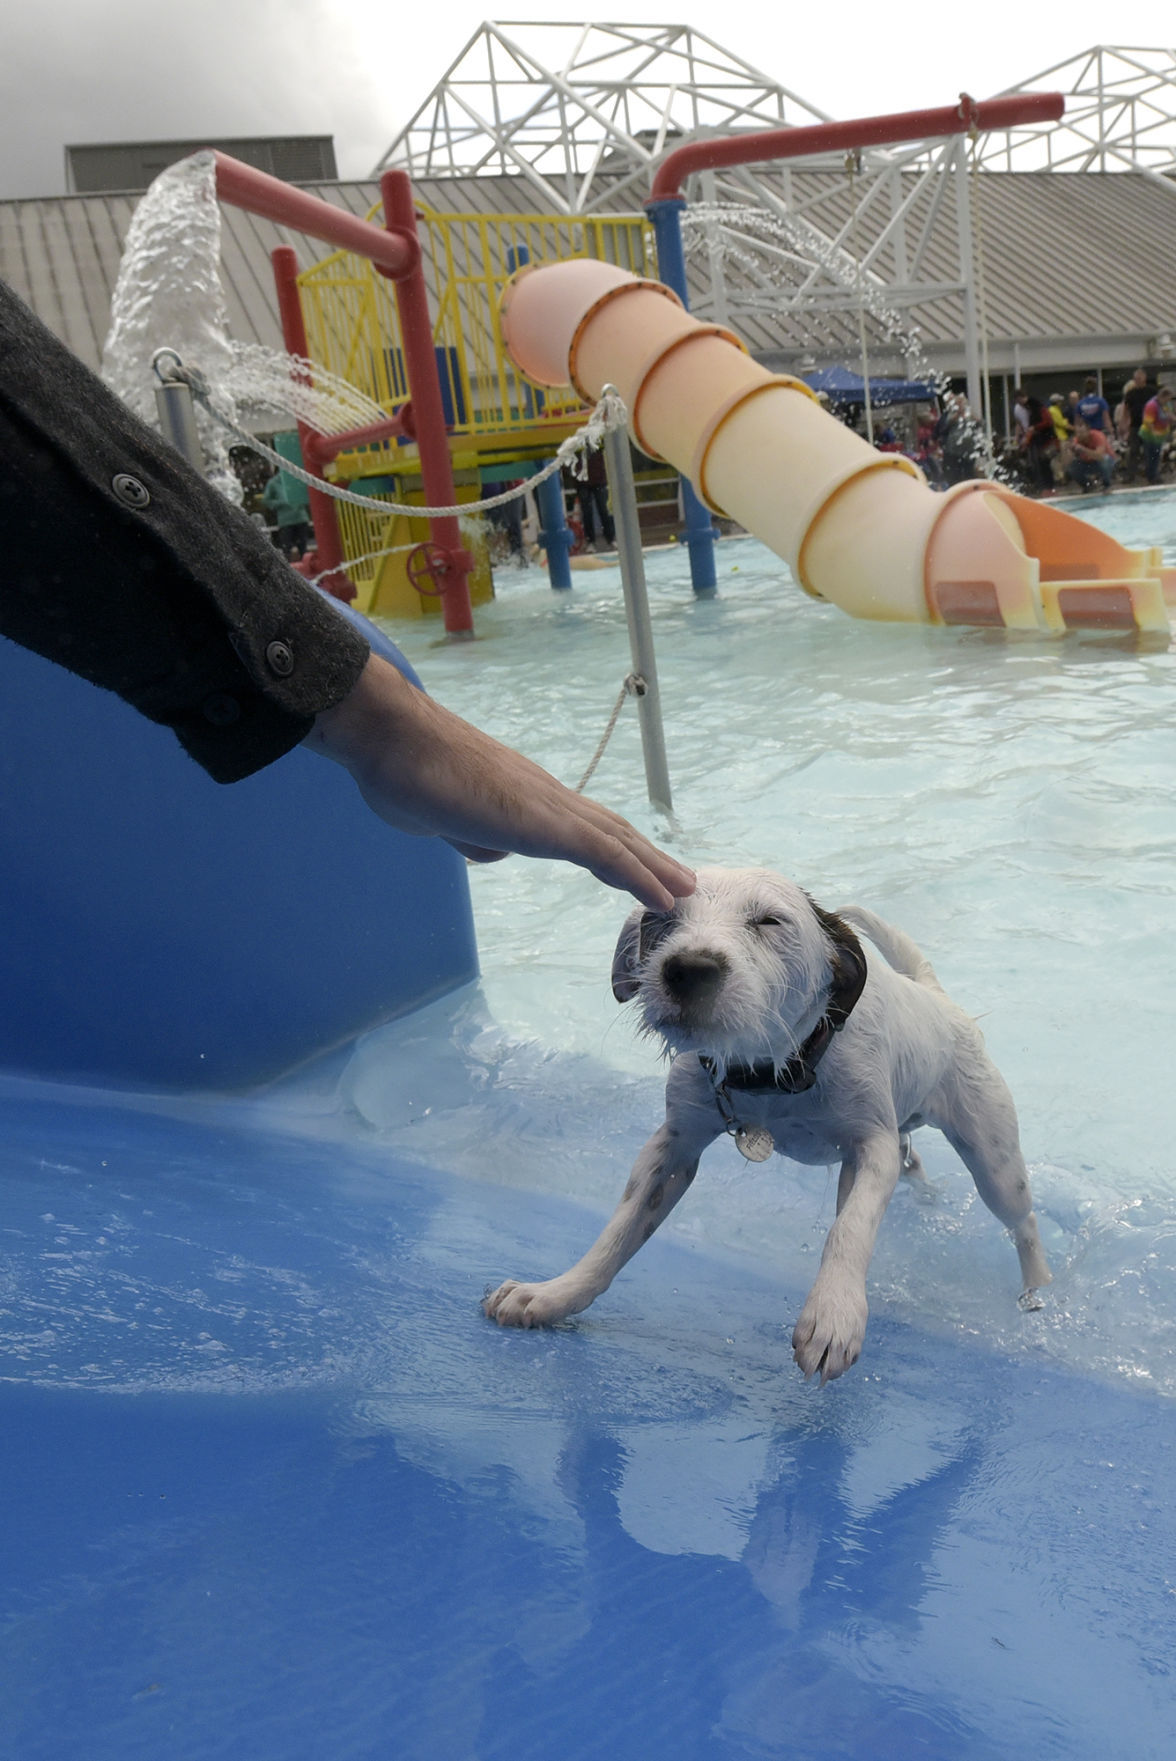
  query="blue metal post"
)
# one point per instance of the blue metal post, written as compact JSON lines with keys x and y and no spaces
{"x":665,"y":215}
{"x":555,"y":535}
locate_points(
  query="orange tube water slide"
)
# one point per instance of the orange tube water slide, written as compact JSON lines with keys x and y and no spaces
{"x":857,"y":527}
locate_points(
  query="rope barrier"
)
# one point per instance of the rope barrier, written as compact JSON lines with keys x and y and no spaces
{"x":608,"y":414}
{"x":634,"y":685}
{"x":354,"y":562}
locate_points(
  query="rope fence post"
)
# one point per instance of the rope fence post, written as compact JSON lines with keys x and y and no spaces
{"x":624,"y":499}
{"x":176,"y":409}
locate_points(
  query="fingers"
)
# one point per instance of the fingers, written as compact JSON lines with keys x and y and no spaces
{"x":621,"y":856}
{"x":653,"y":878}
{"x":428,"y":772}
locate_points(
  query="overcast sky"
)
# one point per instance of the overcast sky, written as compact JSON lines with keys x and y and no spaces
{"x":116,"y":70}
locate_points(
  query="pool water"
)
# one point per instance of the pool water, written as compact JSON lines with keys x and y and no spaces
{"x":1008,"y":799}
{"x":273,"y":1489}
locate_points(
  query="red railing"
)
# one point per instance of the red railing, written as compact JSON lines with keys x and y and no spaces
{"x":395,"y":251}
{"x":869,"y":131}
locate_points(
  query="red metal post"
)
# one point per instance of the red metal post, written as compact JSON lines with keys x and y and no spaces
{"x":246,"y":187}
{"x":325,"y":447}
{"x":868,"y":131}
{"x":322,"y":508}
{"x":451,"y":569}
{"x":395,"y":251}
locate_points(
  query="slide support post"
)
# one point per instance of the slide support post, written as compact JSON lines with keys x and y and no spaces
{"x":665,"y":215}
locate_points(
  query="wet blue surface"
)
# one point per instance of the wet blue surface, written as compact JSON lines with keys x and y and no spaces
{"x":157,"y":928}
{"x":273,"y":1488}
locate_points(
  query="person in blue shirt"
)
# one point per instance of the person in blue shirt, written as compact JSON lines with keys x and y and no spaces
{"x":290,"y":516}
{"x":1094,"y":410}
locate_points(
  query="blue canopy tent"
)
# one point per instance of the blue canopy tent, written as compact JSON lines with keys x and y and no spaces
{"x":841,"y":386}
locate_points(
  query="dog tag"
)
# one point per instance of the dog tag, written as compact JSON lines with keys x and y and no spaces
{"x":754,"y":1143}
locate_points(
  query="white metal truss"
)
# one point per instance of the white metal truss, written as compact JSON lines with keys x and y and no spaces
{"x":566,"y":105}
{"x":822,"y":256}
{"x":833,"y":253}
{"x":583,"y":112}
{"x":1120,"y":116}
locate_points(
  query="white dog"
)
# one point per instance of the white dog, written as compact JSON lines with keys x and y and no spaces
{"x":784,"y":1034}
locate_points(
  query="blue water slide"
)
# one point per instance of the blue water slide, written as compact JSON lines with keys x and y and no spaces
{"x":160,"y":929}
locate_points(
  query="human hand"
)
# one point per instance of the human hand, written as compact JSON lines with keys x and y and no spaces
{"x":426,"y":771}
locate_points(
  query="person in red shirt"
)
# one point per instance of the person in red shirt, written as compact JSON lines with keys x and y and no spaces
{"x":1093,"y":461}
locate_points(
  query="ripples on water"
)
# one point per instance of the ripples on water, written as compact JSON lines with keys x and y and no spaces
{"x":1009,"y":800}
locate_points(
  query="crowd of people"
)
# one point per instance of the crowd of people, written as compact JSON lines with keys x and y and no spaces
{"x":1073,"y":438}
{"x":1078,"y":438}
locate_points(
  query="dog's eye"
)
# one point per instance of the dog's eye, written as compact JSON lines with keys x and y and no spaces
{"x":767,"y":920}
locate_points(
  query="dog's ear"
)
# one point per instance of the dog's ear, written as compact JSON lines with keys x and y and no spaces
{"x":626,"y":966}
{"x":849,"y":963}
{"x":643,"y":932}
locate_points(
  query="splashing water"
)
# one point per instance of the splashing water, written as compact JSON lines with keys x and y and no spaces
{"x":778,"y":253}
{"x":169,"y":295}
{"x":266,"y":379}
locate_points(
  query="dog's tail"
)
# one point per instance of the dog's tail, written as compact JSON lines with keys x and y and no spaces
{"x":901,"y":953}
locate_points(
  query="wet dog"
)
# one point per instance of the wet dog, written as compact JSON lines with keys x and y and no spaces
{"x":786,"y":1034}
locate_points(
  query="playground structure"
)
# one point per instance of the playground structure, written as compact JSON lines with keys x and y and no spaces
{"x":460,"y":418}
{"x":499,"y":428}
{"x":580,"y":115}
{"x":857,"y":527}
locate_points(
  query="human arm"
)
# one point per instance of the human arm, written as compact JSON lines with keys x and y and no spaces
{"x":179,"y":605}
{"x":426,"y":771}
{"x":122,"y":564}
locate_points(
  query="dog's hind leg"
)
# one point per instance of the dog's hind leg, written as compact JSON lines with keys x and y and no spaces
{"x":983,"y":1132}
{"x":661,"y":1174}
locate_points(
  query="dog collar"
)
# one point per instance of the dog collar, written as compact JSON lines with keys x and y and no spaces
{"x":800,"y":1072}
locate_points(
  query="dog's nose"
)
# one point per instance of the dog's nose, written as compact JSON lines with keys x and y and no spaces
{"x":694,"y":978}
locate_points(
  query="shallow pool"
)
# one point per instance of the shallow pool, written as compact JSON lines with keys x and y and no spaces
{"x":273,"y":1489}
{"x":1010,"y":800}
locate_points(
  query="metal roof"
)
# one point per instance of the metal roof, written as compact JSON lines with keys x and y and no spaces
{"x":1078,"y":269}
{"x":1074,"y":267}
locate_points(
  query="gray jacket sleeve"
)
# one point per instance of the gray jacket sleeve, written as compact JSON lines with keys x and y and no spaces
{"x":120,"y":562}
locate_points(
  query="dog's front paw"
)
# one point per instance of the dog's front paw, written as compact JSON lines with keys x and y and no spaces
{"x":529,"y":1305}
{"x":828,"y":1337}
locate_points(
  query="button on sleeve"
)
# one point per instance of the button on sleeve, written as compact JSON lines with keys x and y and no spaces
{"x":279,"y":658}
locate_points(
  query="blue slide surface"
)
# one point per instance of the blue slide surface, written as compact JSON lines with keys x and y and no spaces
{"x":274,"y":1490}
{"x":160,"y":930}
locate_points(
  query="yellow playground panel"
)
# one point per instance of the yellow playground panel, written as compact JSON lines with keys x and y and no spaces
{"x":496,"y":418}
